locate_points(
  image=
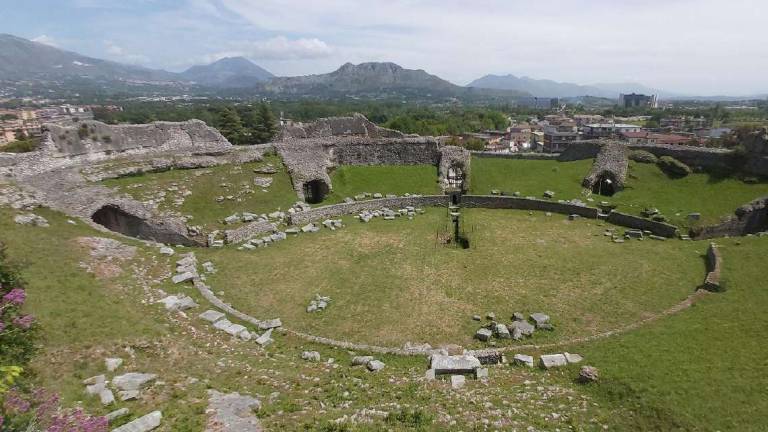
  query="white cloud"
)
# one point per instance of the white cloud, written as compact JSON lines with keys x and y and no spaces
{"x":45,"y":39}
{"x":118,"y":53}
{"x":278,"y":48}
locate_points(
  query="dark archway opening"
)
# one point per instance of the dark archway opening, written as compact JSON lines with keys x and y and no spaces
{"x":605,"y":185}
{"x":116,"y":219}
{"x":315,"y":191}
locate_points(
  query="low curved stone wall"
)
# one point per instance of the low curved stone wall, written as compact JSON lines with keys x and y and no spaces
{"x":248,"y":231}
{"x":714,"y":265}
{"x":335,"y":210}
{"x":636,"y":222}
{"x":526,"y":156}
{"x":519,"y":203}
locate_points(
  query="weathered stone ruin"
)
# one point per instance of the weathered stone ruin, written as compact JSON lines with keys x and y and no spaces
{"x":311,"y":150}
{"x":748,"y":219}
{"x":609,"y":170}
{"x":60,"y":174}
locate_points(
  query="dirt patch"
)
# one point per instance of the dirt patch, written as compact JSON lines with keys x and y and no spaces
{"x":106,"y":256}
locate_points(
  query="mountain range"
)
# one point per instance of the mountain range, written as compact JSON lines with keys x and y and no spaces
{"x":553,"y":89}
{"x":28,"y":67}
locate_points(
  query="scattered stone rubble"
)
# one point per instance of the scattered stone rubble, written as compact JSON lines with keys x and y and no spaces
{"x":142,"y":424}
{"x":31,"y":219}
{"x":369,"y":362}
{"x":385,"y":213}
{"x":318,"y":304}
{"x":518,"y":328}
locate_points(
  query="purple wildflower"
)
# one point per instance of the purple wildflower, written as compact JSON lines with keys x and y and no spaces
{"x":15,"y":403}
{"x":15,"y":296}
{"x":24,"y":321}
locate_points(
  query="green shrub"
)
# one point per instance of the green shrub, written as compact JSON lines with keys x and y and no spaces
{"x":410,"y":418}
{"x":22,"y":146}
{"x":82,"y":131}
{"x":643,"y":156}
{"x":673,"y":167}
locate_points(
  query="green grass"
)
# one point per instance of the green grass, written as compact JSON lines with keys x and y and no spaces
{"x":202,"y":204}
{"x":713,"y":197}
{"x":349,"y":181}
{"x":703,"y":369}
{"x":73,"y":307}
{"x":646,"y":186}
{"x":529,"y":177}
{"x":390,"y":283}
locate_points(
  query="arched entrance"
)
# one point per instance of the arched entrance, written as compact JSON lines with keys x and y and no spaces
{"x":315,"y":191}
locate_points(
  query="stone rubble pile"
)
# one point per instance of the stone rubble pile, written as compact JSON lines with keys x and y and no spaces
{"x":369,"y":362}
{"x":456,"y":367}
{"x":318,"y":304}
{"x":17,"y":199}
{"x":516,"y":330}
{"x":219,"y":322}
{"x":387,"y":214}
{"x":31,"y":219}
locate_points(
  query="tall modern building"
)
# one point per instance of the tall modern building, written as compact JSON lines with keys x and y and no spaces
{"x":633,"y":100}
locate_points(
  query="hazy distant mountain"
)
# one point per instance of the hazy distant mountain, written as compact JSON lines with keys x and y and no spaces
{"x":31,"y":68}
{"x":228,"y":72}
{"x":373,"y":79}
{"x":549,"y":88}
{"x":22,"y":59}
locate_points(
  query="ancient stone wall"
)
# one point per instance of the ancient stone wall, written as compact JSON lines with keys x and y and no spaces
{"x":519,"y":203}
{"x":580,"y":150}
{"x":636,"y":222}
{"x":747,"y":219}
{"x":92,"y":137}
{"x":356,"y":125}
{"x":335,"y":210}
{"x":131,"y":219}
{"x":611,"y":163}
{"x":714,"y":265}
{"x":248,"y":231}
{"x":527,"y":156}
{"x":384,"y":151}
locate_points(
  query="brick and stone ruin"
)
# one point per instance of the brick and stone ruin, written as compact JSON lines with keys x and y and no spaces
{"x":63,"y":173}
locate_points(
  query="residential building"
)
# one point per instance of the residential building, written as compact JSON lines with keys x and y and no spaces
{"x":608,"y":130}
{"x":558,"y":137}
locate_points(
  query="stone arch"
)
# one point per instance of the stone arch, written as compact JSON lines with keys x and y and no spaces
{"x":605,"y":184}
{"x":115,"y":218}
{"x":315,"y":191}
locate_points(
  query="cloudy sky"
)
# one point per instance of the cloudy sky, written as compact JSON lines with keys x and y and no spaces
{"x":703,"y":47}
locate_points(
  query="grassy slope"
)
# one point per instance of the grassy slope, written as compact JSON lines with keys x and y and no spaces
{"x":647,"y":186}
{"x":519,"y":263}
{"x":529,"y":177}
{"x":704,"y":368}
{"x":349,"y":181}
{"x":86,"y":319}
{"x":713,"y":197}
{"x":202,"y":203}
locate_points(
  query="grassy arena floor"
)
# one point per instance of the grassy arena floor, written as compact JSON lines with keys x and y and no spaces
{"x":647,"y":186}
{"x":349,"y":181}
{"x":390,"y":283}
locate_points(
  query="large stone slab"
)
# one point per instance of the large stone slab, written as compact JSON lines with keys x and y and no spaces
{"x":142,"y":424}
{"x":549,"y":361}
{"x":232,"y":412}
{"x":132,"y":380}
{"x":456,"y":364}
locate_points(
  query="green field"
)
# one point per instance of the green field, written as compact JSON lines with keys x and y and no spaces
{"x":700,"y":369}
{"x":646,"y":186}
{"x":349,"y":181}
{"x":517,"y":263}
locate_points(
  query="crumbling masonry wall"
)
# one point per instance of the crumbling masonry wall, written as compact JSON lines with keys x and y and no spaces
{"x":748,"y":219}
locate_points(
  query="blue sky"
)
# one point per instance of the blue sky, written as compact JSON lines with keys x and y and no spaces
{"x":691,"y":46}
